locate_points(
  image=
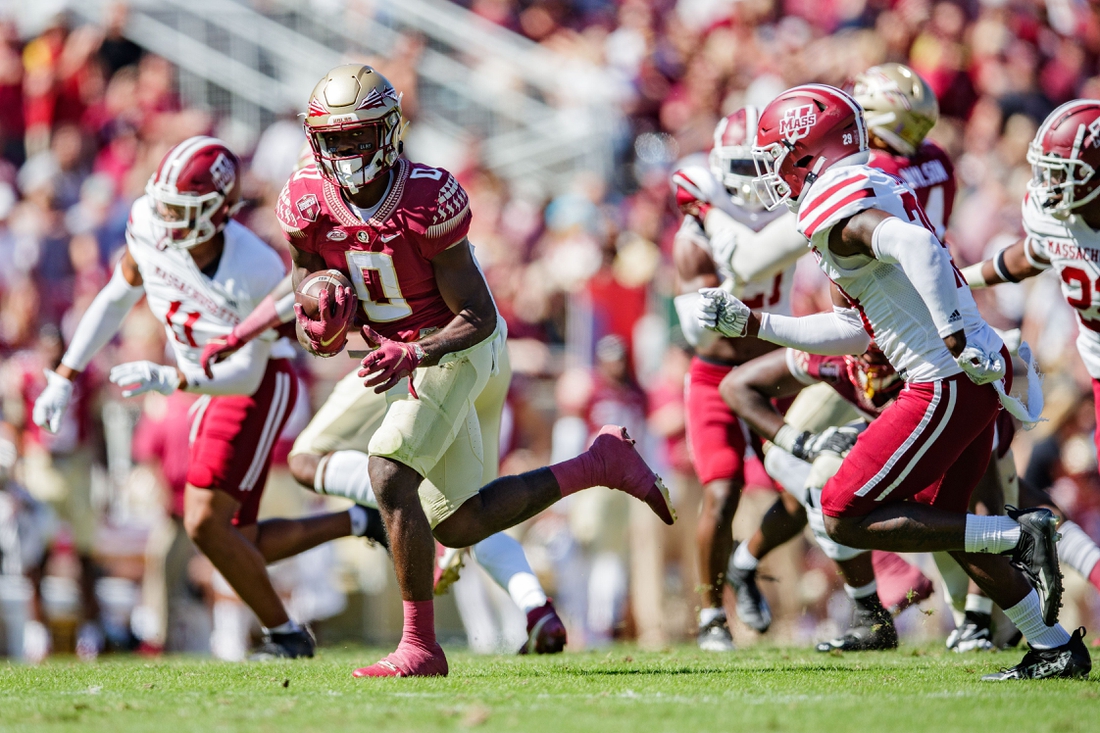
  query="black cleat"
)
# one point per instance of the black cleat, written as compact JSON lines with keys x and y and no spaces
{"x":1036,"y":556}
{"x":716,"y":636}
{"x":375,"y":533}
{"x":290,"y":645}
{"x":872,"y":630}
{"x":752,"y":607}
{"x":974,"y":635}
{"x":1070,"y":661}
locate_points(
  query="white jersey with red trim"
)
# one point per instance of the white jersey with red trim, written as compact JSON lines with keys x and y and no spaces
{"x":1072,"y":248}
{"x":893,"y":311}
{"x":195,"y":308}
{"x":771,"y":294}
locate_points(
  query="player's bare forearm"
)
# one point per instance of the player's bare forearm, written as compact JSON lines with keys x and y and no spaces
{"x":956,"y":342}
{"x":303,"y":263}
{"x":750,"y":388}
{"x":463,"y":288}
{"x":1014,"y":262}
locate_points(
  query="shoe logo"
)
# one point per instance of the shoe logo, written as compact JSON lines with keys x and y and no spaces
{"x":1053,"y":668}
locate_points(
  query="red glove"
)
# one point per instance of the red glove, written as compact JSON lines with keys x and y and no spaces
{"x":692,"y":188}
{"x":390,"y":362}
{"x":328,"y":334}
{"x":218,"y":348}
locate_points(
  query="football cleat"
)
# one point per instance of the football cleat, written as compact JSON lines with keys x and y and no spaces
{"x":752,"y":606}
{"x":624,"y":469}
{"x":1071,"y":661}
{"x":408,"y":661}
{"x":448,"y":566}
{"x":872,"y":630}
{"x":289,"y":645}
{"x":1036,"y":556}
{"x":545,"y":631}
{"x":375,"y":533}
{"x":974,"y":635}
{"x":715,"y":636}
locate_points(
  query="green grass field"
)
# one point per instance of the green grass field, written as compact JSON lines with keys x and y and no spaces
{"x":761,"y":690}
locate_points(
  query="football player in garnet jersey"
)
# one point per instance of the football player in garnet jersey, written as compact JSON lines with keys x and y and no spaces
{"x":398,"y":230}
{"x":1061,"y":214}
{"x":906,"y":485}
{"x":201,"y":273}
{"x":726,"y":237}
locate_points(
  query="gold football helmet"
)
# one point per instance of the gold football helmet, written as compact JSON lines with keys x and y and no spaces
{"x":353,"y":125}
{"x":900,"y":106}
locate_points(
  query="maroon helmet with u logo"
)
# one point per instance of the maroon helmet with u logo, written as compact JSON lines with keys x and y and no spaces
{"x":195,"y":190}
{"x":1065,"y":158}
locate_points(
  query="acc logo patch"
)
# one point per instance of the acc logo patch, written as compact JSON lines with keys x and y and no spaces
{"x":796,"y":122}
{"x":308,"y":207}
{"x":337,"y":235}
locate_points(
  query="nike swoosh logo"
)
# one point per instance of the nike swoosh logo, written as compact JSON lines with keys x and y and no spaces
{"x":329,"y":341}
{"x":387,"y":239}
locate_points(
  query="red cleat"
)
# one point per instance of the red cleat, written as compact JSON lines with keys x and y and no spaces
{"x":545,"y":631}
{"x":622,"y":468}
{"x":408,"y":661}
{"x":900,"y":584}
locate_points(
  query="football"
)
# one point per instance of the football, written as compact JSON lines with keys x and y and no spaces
{"x":311,"y":287}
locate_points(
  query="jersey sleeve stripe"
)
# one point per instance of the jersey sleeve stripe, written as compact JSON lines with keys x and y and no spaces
{"x":816,"y":199}
{"x":851,"y":198}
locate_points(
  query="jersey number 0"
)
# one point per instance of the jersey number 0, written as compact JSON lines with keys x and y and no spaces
{"x":375,"y":280}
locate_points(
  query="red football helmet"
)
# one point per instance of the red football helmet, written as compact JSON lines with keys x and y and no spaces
{"x":803,"y":132}
{"x":196,"y":190}
{"x":1065,"y":157}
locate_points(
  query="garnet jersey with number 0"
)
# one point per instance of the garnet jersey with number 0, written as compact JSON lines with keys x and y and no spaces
{"x":388,"y":257}
{"x":195,"y":308}
{"x":931,"y":175}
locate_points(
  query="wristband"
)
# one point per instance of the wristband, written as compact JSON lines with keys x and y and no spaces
{"x":973,"y":276}
{"x":1001,"y":269}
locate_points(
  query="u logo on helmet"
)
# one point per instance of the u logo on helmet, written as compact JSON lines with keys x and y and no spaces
{"x":797,"y":121}
{"x":222,"y":173}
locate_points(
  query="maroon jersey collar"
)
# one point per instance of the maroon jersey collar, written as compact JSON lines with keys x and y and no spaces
{"x":346,"y":217}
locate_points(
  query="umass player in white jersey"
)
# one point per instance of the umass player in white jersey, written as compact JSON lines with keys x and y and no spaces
{"x":201,"y":273}
{"x":906,"y":484}
{"x":726,"y":238}
{"x":1061,"y":216}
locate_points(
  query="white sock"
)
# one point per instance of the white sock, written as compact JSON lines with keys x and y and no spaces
{"x":790,"y":472}
{"x":344,"y":473}
{"x":743,"y":559}
{"x":286,"y":628}
{"x":706,"y":615}
{"x":978,"y":604}
{"x":359,"y":519}
{"x":1028,"y":617}
{"x":862,"y":591}
{"x":1077,"y":549}
{"x":991,"y":534}
{"x":503,"y":558}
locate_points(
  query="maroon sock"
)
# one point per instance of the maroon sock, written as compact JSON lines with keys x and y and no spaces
{"x":419,"y":629}
{"x":575,"y":474}
{"x":1094,"y":576}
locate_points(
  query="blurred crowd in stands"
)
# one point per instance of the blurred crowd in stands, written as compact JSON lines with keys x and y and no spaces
{"x":582,"y":276}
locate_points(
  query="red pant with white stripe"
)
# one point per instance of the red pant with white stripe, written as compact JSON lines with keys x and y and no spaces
{"x":931,"y":446}
{"x":233,"y":435}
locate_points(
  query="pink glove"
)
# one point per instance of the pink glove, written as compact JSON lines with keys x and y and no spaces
{"x":392,"y":360}
{"x":327,"y":334}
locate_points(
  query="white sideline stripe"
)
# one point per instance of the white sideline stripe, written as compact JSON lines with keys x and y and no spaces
{"x":913,"y":436}
{"x":267,"y":437}
{"x":952,"y":393}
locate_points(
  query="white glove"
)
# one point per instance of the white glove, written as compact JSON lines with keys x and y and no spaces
{"x":719,"y":311}
{"x":50,"y":406}
{"x":808,"y":446}
{"x":139,"y":377}
{"x":982,"y":368}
